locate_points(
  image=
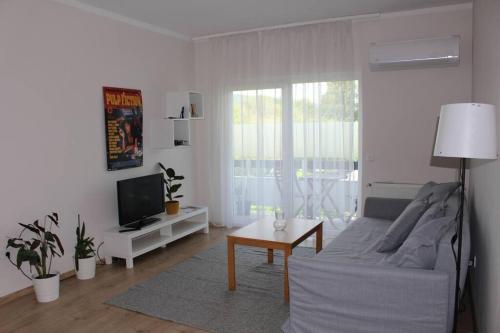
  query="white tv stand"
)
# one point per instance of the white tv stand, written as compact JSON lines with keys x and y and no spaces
{"x":128,"y":245}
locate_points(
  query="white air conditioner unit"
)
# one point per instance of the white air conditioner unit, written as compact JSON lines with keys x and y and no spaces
{"x":416,"y":53}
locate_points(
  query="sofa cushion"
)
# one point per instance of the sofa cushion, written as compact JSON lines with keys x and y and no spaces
{"x":425,"y":190}
{"x":385,"y":208}
{"x":443,"y":191}
{"x":357,"y":243}
{"x":419,"y":250}
{"x":436,"y":210}
{"x":437,"y":192}
{"x":401,"y":228}
{"x":453,"y":205}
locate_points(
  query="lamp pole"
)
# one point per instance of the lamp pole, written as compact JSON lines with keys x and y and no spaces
{"x":458,"y":259}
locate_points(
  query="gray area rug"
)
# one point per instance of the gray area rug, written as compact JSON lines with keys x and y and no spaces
{"x":195,"y":292}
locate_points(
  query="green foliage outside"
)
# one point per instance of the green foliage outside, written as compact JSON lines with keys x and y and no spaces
{"x":330,"y":104}
{"x":330,"y":110}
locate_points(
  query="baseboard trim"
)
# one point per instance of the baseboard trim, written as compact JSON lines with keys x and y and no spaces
{"x":29,"y":290}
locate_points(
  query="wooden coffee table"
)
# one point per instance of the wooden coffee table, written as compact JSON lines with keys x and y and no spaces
{"x":262,"y":234}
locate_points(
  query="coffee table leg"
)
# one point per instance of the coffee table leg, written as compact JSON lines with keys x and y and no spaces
{"x":270,"y":256}
{"x":231,"y":272}
{"x":288,"y":252}
{"x":319,"y":238}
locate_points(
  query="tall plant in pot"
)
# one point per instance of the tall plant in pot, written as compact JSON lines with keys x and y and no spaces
{"x":85,"y":253}
{"x":38,"y":249}
{"x":172,"y":205}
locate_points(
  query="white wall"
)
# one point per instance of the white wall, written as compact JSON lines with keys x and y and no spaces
{"x":54,"y":61}
{"x":485,"y":175}
{"x":400,"y":108}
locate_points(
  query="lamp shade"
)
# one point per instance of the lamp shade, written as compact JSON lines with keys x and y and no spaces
{"x":467,"y":130}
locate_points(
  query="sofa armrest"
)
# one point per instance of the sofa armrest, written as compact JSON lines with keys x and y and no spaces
{"x":335,"y":297}
{"x":384,"y":208}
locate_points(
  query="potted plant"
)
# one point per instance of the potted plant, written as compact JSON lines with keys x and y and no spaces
{"x":38,"y":250}
{"x":85,"y":253}
{"x":171,"y":206}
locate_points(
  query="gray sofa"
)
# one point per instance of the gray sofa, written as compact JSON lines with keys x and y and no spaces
{"x":346,"y":289}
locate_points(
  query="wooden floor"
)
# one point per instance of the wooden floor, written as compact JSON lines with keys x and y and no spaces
{"x":81,"y":306}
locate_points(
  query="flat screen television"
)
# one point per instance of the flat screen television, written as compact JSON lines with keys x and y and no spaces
{"x":139,"y":199}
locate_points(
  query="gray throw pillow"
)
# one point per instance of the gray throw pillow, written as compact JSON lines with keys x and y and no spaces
{"x":402,"y":226}
{"x":437,"y":191}
{"x":425,"y":191}
{"x":436,"y":210}
{"x":419,"y":250}
{"x":443,"y":191}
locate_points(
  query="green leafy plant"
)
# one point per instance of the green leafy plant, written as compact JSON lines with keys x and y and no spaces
{"x":170,"y":187}
{"x":39,"y":250}
{"x":84,"y":247}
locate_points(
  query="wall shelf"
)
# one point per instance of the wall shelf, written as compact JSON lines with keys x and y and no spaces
{"x":196,"y":105}
{"x":172,"y":131}
{"x":191,"y":101}
{"x":182,"y":132}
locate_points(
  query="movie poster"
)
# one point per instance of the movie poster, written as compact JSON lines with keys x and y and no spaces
{"x":123,"y":121}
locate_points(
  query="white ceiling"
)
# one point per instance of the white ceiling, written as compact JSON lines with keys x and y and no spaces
{"x":195,"y":18}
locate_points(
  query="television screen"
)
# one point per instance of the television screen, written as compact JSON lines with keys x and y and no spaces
{"x":140,"y":198}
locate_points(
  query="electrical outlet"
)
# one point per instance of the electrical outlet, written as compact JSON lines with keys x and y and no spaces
{"x":472,"y":262}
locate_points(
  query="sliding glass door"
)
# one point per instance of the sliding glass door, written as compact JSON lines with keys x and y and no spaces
{"x":296,"y":147}
{"x":257,"y":152}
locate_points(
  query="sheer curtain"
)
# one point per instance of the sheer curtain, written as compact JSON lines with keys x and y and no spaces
{"x":283,"y":115}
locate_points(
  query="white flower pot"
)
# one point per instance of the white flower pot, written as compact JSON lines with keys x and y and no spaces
{"x":86,"y":268}
{"x":46,"y":290}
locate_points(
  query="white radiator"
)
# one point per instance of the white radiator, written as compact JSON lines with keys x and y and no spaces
{"x":393,"y":190}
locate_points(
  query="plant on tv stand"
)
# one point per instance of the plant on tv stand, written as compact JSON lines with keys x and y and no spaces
{"x":170,"y":187}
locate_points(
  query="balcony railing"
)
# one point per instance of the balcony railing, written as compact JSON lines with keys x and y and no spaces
{"x":327,"y":190}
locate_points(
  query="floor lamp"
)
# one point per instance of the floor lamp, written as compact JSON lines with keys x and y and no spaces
{"x":465,"y":130}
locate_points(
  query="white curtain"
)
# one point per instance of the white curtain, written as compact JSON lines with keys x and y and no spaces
{"x":282,"y":111}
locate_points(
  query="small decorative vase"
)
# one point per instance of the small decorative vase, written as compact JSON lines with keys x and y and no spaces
{"x":172,"y":207}
{"x":86,"y":268}
{"x":46,"y":290}
{"x":279,"y":222}
{"x":279,"y":225}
